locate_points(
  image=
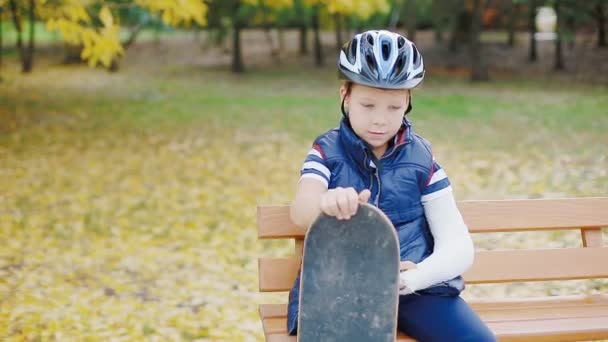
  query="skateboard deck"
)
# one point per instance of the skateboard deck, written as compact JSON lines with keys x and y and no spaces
{"x":350,"y":279}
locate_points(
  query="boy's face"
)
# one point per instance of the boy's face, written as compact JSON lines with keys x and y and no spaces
{"x":375,"y":114}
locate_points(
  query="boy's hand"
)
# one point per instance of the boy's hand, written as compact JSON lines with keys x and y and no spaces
{"x":342,"y":203}
{"x":403,"y":267}
{"x":406,"y":265}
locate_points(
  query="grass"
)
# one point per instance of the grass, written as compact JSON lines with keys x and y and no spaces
{"x":128,"y":202}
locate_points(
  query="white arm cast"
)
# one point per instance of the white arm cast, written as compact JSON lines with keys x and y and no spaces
{"x":454,"y":251}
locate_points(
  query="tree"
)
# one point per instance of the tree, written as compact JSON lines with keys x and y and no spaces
{"x":559,"y":32}
{"x":339,"y":10}
{"x":600,"y":17}
{"x":532,"y":6}
{"x":302,"y":20}
{"x":271,"y":13}
{"x":85,"y":23}
{"x":1,"y":37}
{"x":479,"y":70}
{"x":410,"y":22}
{"x":237,"y":57}
{"x":28,"y":53}
{"x":514,"y":10}
{"x":316,"y":12}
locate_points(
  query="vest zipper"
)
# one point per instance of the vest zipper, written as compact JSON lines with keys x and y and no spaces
{"x":379,"y":187}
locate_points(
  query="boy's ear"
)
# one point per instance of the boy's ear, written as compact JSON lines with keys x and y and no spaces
{"x":343,"y":91}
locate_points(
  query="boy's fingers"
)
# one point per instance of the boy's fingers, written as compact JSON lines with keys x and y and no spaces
{"x":406,"y":265}
{"x":352,"y":201}
{"x":343,"y":206}
{"x":364,"y":196}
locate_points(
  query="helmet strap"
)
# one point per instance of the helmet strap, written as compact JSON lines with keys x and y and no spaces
{"x":344,"y":113}
{"x":409,"y":105}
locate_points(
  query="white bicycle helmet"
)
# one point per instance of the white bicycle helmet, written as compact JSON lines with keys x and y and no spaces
{"x":381,"y":59}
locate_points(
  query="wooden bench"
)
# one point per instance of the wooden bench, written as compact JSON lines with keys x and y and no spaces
{"x":556,"y":318}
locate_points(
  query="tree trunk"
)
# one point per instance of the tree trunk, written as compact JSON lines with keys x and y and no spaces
{"x":559,"y":60}
{"x":438,"y":35}
{"x":136,"y":31}
{"x":303,"y":39}
{"x":439,"y":20}
{"x":281,"y":40}
{"x":461,"y":30}
{"x":28,"y":60}
{"x":271,"y":45}
{"x":237,"y":59}
{"x":72,"y":54}
{"x":532,"y":56}
{"x":1,"y":42}
{"x":393,"y":17}
{"x":410,"y":15}
{"x":601,"y":24}
{"x":479,"y":71}
{"x":317,"y":37}
{"x":338,"y":23}
{"x":302,"y":25}
{"x":18,"y":28}
{"x":512,"y":23}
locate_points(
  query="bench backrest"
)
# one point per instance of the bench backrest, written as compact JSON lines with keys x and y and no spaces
{"x":588,"y":215}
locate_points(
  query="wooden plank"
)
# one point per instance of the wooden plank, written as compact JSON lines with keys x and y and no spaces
{"x":286,"y":338}
{"x":480,"y":216}
{"x":513,"y":315}
{"x":272,"y":310}
{"x":280,"y":338}
{"x":278,"y":327}
{"x":538,"y":265}
{"x":299,"y":247}
{"x":544,"y":301}
{"x":550,"y":305}
{"x":274,"y":223}
{"x":278,"y":274}
{"x":561,"y":329}
{"x":592,"y":237}
{"x":536,"y":214}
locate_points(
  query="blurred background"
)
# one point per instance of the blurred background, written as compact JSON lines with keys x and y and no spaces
{"x":137,"y":137}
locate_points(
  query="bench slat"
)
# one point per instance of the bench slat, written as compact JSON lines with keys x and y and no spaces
{"x":549,"y":329}
{"x":562,"y":329}
{"x":552,"y":305}
{"x":480,"y":216}
{"x":513,"y":315}
{"x":278,"y":274}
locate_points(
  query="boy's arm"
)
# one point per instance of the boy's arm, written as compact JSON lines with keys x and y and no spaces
{"x":454,"y":251}
{"x":305,"y":207}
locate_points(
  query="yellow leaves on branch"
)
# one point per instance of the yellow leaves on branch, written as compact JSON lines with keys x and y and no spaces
{"x":360,"y":8}
{"x":101,"y":45}
{"x":272,"y":4}
{"x":177,"y":12}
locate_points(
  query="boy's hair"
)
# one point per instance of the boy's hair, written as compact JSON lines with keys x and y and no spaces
{"x":348,"y":85}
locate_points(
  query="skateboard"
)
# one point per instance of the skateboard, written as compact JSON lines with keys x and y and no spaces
{"x":350,"y":279}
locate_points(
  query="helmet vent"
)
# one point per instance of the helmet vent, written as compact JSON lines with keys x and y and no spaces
{"x":370,"y":39}
{"x":370,"y":62}
{"x":415,"y":55}
{"x":353,"y":47}
{"x":386,"y":49}
{"x":400,"y":42}
{"x":398,"y":66}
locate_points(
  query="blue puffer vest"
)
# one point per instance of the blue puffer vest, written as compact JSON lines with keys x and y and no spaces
{"x":396,"y":184}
